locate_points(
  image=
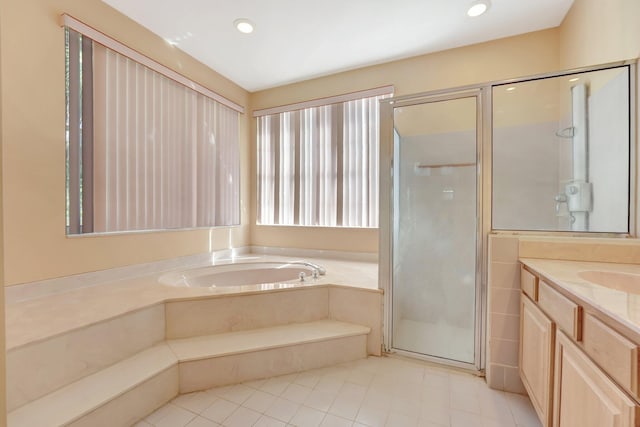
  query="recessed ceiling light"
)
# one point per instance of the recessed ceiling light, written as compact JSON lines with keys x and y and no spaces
{"x":575,"y":79}
{"x":243,"y":25}
{"x":477,"y":8}
{"x":512,"y":88}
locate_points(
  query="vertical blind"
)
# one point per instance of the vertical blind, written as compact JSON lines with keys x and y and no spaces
{"x":163,"y":156}
{"x":319,"y":165}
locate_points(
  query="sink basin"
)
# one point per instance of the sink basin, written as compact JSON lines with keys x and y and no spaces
{"x":625,"y":282}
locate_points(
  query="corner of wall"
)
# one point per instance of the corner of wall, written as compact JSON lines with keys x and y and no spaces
{"x":595,"y":32}
{"x":3,"y":403}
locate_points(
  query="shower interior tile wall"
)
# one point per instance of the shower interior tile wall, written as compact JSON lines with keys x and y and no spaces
{"x":605,"y":128}
{"x":522,"y":156}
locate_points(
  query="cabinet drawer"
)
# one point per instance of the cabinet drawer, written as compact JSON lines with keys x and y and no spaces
{"x":529,"y":284}
{"x":566,"y":314}
{"x":615,"y":354}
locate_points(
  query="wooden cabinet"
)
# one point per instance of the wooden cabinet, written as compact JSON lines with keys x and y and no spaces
{"x":576,"y":368}
{"x":564,"y":312}
{"x":583,"y":395}
{"x":537,"y":333}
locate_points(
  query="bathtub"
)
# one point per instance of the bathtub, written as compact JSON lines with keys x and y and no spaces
{"x":245,"y":273}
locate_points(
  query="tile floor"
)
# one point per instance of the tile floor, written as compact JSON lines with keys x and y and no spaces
{"x":370,"y":392}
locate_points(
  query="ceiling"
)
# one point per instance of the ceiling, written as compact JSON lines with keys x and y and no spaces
{"x":296,"y":40}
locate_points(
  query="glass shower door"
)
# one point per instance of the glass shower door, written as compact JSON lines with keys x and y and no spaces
{"x":435,"y":239}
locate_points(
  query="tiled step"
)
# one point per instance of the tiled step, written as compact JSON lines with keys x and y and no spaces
{"x":44,"y":366}
{"x":138,"y":377}
{"x":229,"y":343}
{"x":121,"y":394}
{"x":229,"y":358}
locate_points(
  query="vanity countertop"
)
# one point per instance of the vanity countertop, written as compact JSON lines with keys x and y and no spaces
{"x":621,"y":305}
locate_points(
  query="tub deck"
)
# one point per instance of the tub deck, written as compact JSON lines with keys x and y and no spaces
{"x":40,"y":318}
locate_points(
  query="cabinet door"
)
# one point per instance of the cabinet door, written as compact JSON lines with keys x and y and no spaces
{"x":536,"y":357}
{"x":583,"y":395}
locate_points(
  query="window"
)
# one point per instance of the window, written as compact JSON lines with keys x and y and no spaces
{"x":144,"y":150}
{"x":318,"y":162}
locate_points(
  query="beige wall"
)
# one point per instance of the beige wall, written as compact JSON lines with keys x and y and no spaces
{"x":506,"y":58}
{"x":500,"y":59}
{"x":3,"y":375}
{"x":593,"y":32}
{"x":36,"y":247}
{"x":33,"y":110}
{"x":598,"y":32}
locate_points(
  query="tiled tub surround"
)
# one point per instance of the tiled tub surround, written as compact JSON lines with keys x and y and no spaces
{"x":64,"y":337}
{"x":503,"y":315}
{"x":38,"y":318}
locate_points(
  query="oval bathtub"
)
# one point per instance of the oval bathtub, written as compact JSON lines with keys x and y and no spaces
{"x":245,"y":273}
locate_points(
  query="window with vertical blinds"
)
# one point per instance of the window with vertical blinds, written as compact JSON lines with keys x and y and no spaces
{"x":317,"y":165}
{"x":144,"y":151}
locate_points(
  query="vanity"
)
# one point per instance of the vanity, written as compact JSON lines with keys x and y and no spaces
{"x":580,"y":341}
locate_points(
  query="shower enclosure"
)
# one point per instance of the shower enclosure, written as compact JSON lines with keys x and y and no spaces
{"x":537,"y":154}
{"x":436,"y":241}
{"x":561,"y":152}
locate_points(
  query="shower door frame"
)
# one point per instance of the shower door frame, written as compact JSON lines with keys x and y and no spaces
{"x":482,"y":97}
